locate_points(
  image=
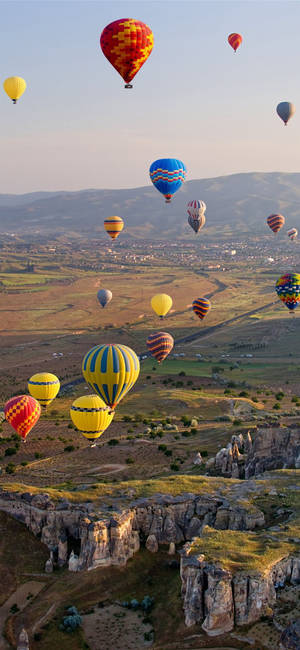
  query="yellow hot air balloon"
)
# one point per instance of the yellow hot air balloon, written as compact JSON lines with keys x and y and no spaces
{"x":161,"y":304}
{"x":91,"y":416}
{"x":44,"y":387}
{"x":14,"y":87}
{"x":111,"y":370}
{"x":113,"y":226}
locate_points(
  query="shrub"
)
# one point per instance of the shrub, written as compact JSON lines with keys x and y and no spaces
{"x":130,"y":430}
{"x":70,"y":426}
{"x":237,"y":423}
{"x":162,"y":447}
{"x":194,"y":431}
{"x":14,"y":609}
{"x":254,"y":399}
{"x":126,"y":418}
{"x":295,"y":398}
{"x":24,"y":463}
{"x":244,"y":393}
{"x":69,"y":448}
{"x":168,"y":452}
{"x":10,"y":451}
{"x":37,"y":636}
{"x":129,"y":461}
{"x":279,"y":395}
{"x":204,"y":453}
{"x":37,"y":455}
{"x":276,"y":406}
{"x":10,"y":468}
{"x":181,"y":374}
{"x":112,"y":442}
{"x":185,"y":434}
{"x":174,"y":467}
{"x":231,"y":384}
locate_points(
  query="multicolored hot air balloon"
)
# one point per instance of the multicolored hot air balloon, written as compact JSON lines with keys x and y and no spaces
{"x":113,"y":226}
{"x":161,"y":303}
{"x":275,"y":222}
{"x":22,"y":412}
{"x":14,"y":88}
{"x":127,"y":43}
{"x":196,"y":216}
{"x":201,"y":307}
{"x":111,"y":371}
{"x":235,"y":40}
{"x":167,"y":175}
{"x":160,"y":345}
{"x":292,"y":233}
{"x":91,"y":416}
{"x":288,"y":290}
{"x":104,"y":296}
{"x":285,"y":110}
{"x":44,"y":387}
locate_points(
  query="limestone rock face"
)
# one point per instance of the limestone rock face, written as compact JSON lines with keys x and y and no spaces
{"x":152,"y":544}
{"x":23,"y":642}
{"x":73,"y":562}
{"x":198,"y":460}
{"x":218,"y":600}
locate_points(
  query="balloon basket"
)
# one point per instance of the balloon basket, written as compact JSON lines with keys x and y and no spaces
{"x":14,"y":101}
{"x":128,"y":86}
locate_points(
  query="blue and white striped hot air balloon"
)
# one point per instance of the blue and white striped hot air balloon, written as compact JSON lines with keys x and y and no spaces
{"x":111,"y":371}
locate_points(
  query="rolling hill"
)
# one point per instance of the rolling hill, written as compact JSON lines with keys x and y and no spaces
{"x":236,"y":204}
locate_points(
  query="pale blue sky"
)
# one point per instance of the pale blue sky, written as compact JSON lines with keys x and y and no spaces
{"x":76,"y":127}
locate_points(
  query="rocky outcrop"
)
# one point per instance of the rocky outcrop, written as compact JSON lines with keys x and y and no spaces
{"x":219,"y":600}
{"x":272,"y":448}
{"x":100,"y":539}
{"x":23,"y":642}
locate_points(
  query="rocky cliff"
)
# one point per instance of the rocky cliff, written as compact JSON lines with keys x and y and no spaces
{"x":102,"y":539}
{"x":272,"y":448}
{"x":219,"y":599}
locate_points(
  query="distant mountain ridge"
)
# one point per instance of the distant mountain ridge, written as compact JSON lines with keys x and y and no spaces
{"x":238,"y":203}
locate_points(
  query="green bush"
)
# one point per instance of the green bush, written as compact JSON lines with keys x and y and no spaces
{"x":237,"y":422}
{"x":204,"y":453}
{"x":69,"y":448}
{"x":112,"y":442}
{"x":168,"y":452}
{"x":181,"y":374}
{"x":162,"y":447}
{"x":37,"y":455}
{"x":174,"y":467}
{"x":244,"y":393}
{"x":10,"y":451}
{"x":10,"y":468}
{"x":276,"y":406}
{"x":129,"y":461}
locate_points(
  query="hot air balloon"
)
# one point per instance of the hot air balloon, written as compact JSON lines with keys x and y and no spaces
{"x":91,"y":416}
{"x":111,"y":370}
{"x":196,"y":217}
{"x":167,"y":175}
{"x":127,"y":43}
{"x":160,"y":345}
{"x":292,"y":233}
{"x":285,"y":110}
{"x":22,"y":412}
{"x":201,"y":307}
{"x":14,"y":87}
{"x":288,"y":290}
{"x":104,"y":296}
{"x":44,"y":387}
{"x":161,"y":303}
{"x":235,"y":40}
{"x":114,"y":225}
{"x":275,"y":222}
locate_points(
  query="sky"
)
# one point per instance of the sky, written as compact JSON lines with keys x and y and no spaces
{"x":76,"y":127}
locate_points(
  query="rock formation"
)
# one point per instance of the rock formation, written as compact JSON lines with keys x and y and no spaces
{"x":198,"y":460}
{"x":23,"y":642}
{"x":290,"y":638}
{"x":101,"y":539}
{"x":272,"y":448}
{"x":220,"y":600}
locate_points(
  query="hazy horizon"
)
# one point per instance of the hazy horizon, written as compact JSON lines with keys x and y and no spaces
{"x":76,"y":127}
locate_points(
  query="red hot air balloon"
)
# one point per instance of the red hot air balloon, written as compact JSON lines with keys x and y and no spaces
{"x":160,"y":345}
{"x":127,"y":43}
{"x":201,"y":307}
{"x":275,"y":222}
{"x":22,"y":412}
{"x":235,"y":40}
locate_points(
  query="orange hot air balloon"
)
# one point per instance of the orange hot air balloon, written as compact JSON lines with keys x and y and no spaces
{"x":235,"y":40}
{"x":22,"y":412}
{"x":275,"y":222}
{"x":113,"y":226}
{"x":127,"y":43}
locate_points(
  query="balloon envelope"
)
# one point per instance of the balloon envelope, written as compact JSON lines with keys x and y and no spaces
{"x":127,"y":44}
{"x":14,"y":87}
{"x":285,"y":110}
{"x":160,"y":345}
{"x":161,"y":303}
{"x":104,"y":296}
{"x":167,"y":175}
{"x":288,"y":290}
{"x":44,"y":387}
{"x":201,"y":306}
{"x":22,"y":412}
{"x":292,"y":233}
{"x":275,"y":222}
{"x":111,"y":371}
{"x":91,"y":416}
{"x":113,"y":226}
{"x":235,"y":40}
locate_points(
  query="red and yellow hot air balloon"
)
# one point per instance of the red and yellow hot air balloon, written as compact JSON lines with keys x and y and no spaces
{"x":22,"y":412}
{"x":201,"y":307}
{"x":127,"y":43}
{"x":275,"y":222}
{"x":160,"y":345}
{"x":113,"y":226}
{"x":235,"y":40}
